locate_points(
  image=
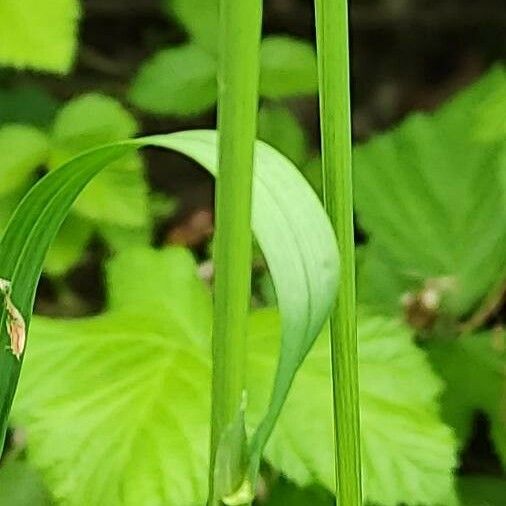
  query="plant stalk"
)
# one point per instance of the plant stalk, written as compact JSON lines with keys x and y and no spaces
{"x":238,"y":75}
{"x":335,"y":113}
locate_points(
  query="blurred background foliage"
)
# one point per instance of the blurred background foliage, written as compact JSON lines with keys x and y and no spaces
{"x":429,"y":101}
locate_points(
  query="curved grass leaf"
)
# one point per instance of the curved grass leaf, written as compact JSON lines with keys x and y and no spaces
{"x":288,"y":220}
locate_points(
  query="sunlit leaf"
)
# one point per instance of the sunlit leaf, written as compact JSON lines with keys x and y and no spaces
{"x":22,"y":150}
{"x":38,"y":35}
{"x":118,"y":196}
{"x":144,"y":366}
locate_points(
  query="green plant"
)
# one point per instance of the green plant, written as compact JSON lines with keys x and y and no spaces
{"x":335,"y":112}
{"x":28,"y":26}
{"x":115,"y":405}
{"x":231,"y":474}
{"x":160,"y":342}
{"x":117,"y":205}
{"x":181,"y":80}
{"x":305,"y":293}
{"x":431,"y":196}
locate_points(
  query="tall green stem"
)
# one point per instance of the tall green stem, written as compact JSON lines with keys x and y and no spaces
{"x":240,"y":26}
{"x":333,"y":63}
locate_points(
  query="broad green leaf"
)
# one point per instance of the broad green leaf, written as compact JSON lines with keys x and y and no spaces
{"x":178,"y":81}
{"x":88,"y":121}
{"x":159,"y":283}
{"x":38,"y":35}
{"x":429,"y":195}
{"x":117,"y":413}
{"x":408,"y":454}
{"x":22,"y":150}
{"x":305,"y":270}
{"x":116,"y":406}
{"x":20,"y":485}
{"x":287,"y":68}
{"x":200,"y":19}
{"x":27,"y":104}
{"x":474,"y":368}
{"x":279,"y":127}
{"x":118,"y":196}
{"x":482,"y":491}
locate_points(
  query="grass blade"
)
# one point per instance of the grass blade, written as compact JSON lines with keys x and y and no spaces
{"x":333,"y":63}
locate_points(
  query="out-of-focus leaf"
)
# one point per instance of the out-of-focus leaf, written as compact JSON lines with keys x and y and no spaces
{"x":8,"y":204}
{"x":408,"y":454}
{"x":88,"y":121}
{"x":312,"y":171}
{"x":68,"y":246}
{"x":287,"y":68}
{"x":27,"y":104}
{"x":20,"y":485}
{"x":22,"y":150}
{"x":200,"y":19}
{"x":279,"y":127}
{"x":38,"y":35}
{"x":491,"y":117}
{"x":482,"y":491}
{"x":178,"y":81}
{"x":429,"y":195}
{"x":474,"y":368}
{"x":119,"y":195}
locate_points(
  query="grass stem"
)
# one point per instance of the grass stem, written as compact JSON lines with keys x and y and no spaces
{"x":240,"y":27}
{"x":333,"y":63}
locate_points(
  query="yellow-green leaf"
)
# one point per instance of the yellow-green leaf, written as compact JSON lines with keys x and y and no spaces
{"x":38,"y":35}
